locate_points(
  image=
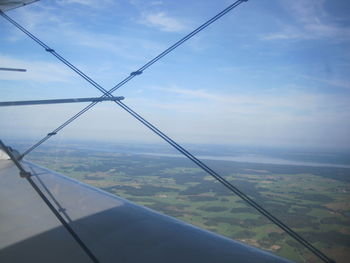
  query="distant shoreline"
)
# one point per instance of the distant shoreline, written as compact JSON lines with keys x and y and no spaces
{"x":220,"y":153}
{"x":251,"y":159}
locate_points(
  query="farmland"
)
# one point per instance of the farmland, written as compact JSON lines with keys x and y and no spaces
{"x":314,"y":201}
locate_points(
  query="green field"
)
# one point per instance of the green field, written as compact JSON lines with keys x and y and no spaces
{"x":313,"y":201}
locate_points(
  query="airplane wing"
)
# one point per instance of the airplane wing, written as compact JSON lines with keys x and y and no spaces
{"x":6,"y":5}
{"x":114,"y":229}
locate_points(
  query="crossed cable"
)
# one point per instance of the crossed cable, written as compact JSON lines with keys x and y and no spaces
{"x":178,"y":147}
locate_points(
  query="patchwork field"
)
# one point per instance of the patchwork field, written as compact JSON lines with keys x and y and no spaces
{"x":314,"y":201}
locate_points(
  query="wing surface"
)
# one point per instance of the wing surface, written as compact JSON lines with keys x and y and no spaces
{"x":6,"y":5}
{"x":114,"y":229}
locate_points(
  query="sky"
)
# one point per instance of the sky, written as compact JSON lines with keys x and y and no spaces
{"x":269,"y":73}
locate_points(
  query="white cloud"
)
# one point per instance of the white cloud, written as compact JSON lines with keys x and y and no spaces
{"x":199,"y":116}
{"x":81,"y":2}
{"x":113,"y":44}
{"x":312,"y":21}
{"x":341,"y":83}
{"x":156,"y":3}
{"x":74,"y":33}
{"x":296,"y":106}
{"x":89,"y":3}
{"x":40,"y":71}
{"x":163,"y":22}
{"x":246,"y":103}
{"x":288,"y":32}
{"x":41,"y":15}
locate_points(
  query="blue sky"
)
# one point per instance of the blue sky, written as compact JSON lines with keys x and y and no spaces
{"x":271,"y":72}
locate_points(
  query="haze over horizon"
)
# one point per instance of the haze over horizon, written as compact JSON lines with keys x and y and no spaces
{"x":271,"y":72}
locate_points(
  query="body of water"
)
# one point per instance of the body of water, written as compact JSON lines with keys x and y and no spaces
{"x":253,"y":158}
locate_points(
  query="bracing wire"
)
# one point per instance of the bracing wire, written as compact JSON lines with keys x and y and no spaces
{"x":27,"y":175}
{"x":53,"y":52}
{"x":55,"y":131}
{"x":227,"y":184}
{"x":184,"y":39}
{"x":121,"y":83}
{"x":196,"y":161}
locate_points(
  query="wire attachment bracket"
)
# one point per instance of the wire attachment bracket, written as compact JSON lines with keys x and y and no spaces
{"x":135,"y":73}
{"x":25,"y":174}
